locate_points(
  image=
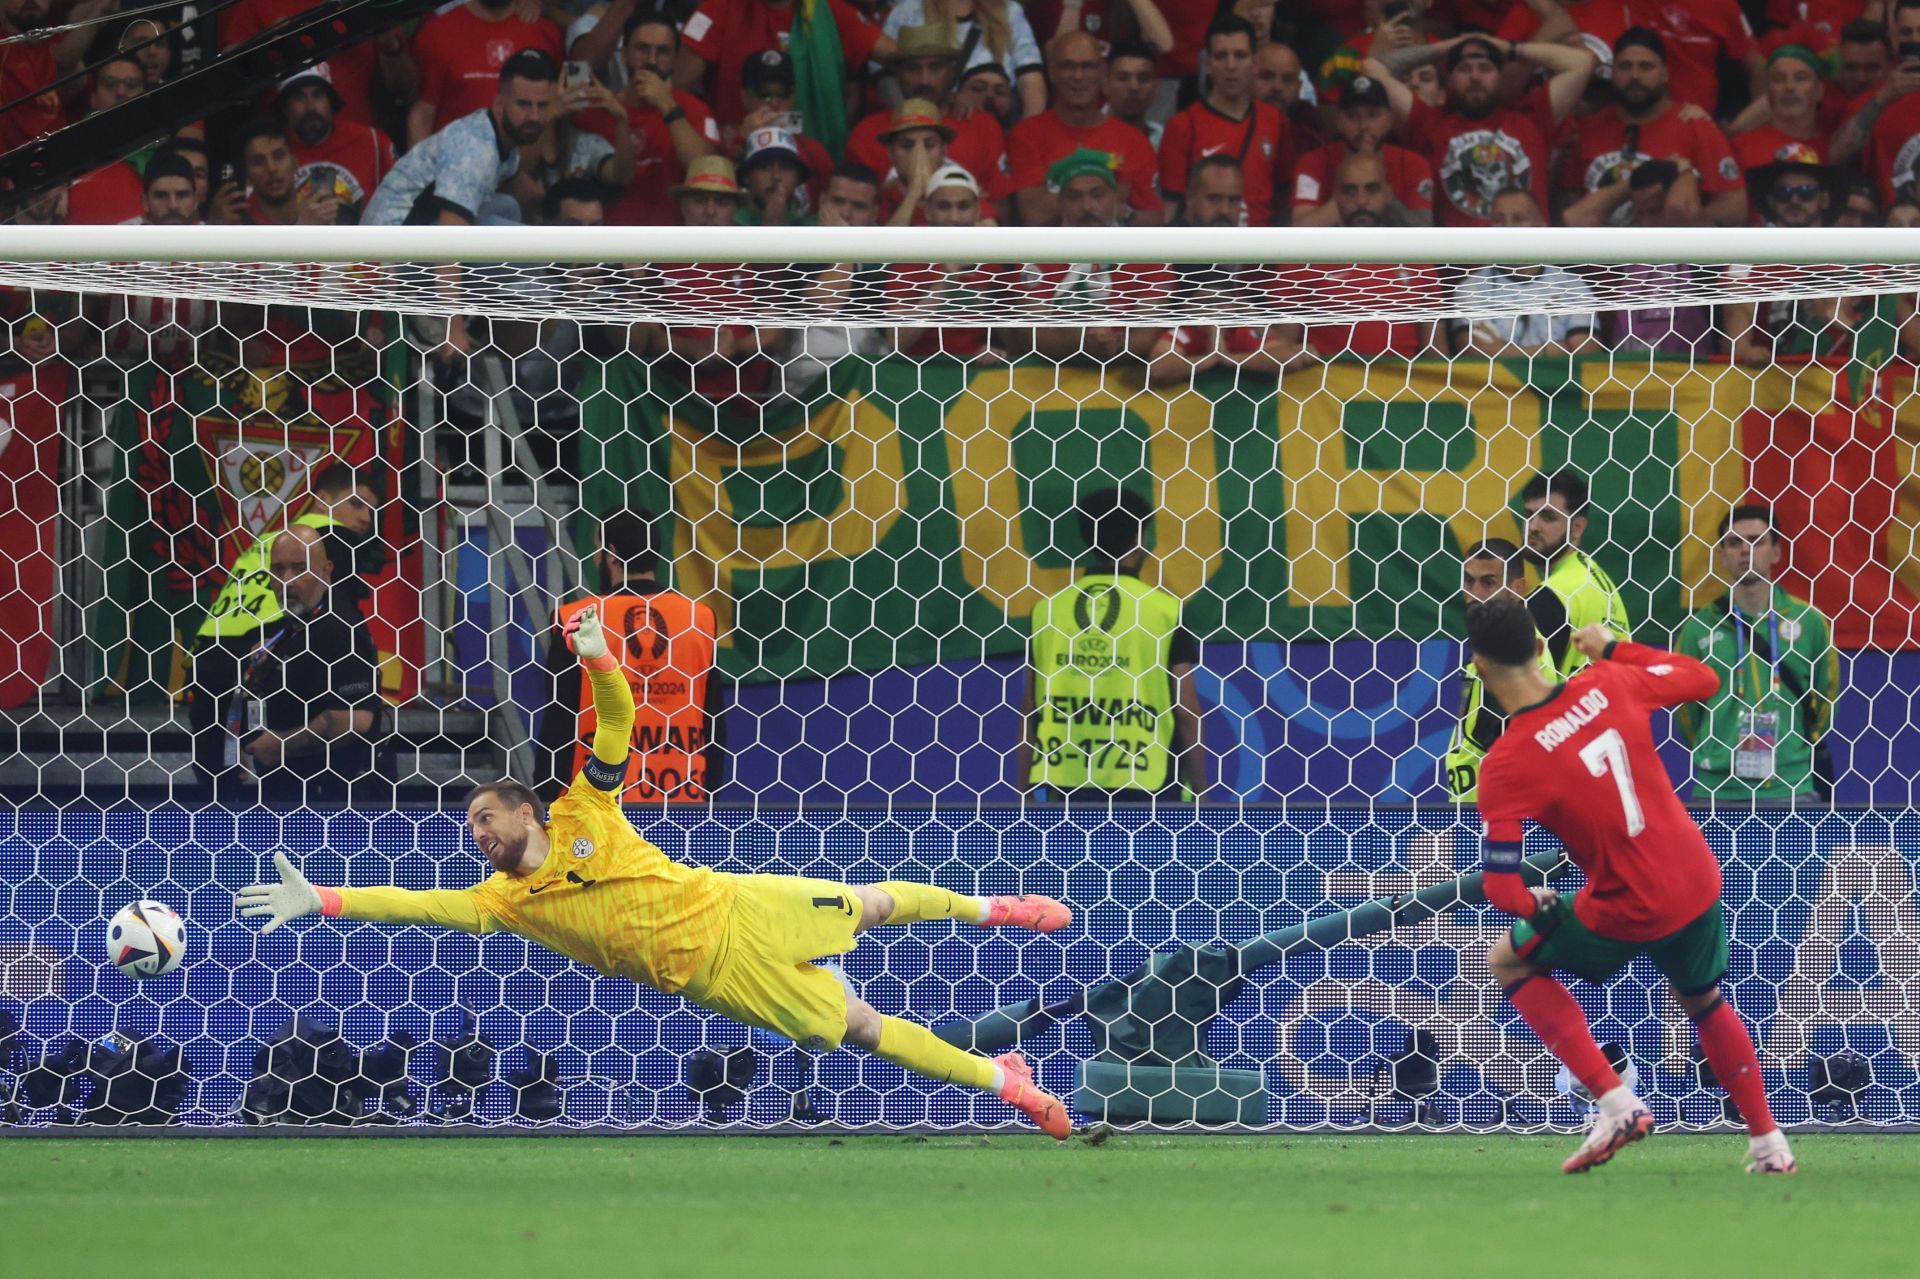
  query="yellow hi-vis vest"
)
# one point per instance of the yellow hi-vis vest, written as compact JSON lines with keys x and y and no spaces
{"x":1589,"y":596}
{"x":1103,"y":696}
{"x":249,"y":601}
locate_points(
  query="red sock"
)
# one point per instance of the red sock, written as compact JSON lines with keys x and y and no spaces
{"x":1560,"y":1023}
{"x":1729,"y":1049}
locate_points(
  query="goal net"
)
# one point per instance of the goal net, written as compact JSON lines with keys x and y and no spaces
{"x":867,"y":456}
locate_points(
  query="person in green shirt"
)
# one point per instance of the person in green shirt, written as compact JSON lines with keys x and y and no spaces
{"x":1494,"y":569}
{"x":1759,"y":738}
{"x":1574,"y":592}
{"x":1111,"y":712}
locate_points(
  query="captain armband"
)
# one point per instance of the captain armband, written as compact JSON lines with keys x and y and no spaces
{"x":608,"y":777}
{"x":1500,"y":856}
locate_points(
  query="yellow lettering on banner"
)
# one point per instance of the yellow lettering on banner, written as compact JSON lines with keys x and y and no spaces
{"x":1707,"y":405}
{"x":1325,"y":493}
{"x":715,"y":545}
{"x":1903,"y":533}
{"x":985,"y":483}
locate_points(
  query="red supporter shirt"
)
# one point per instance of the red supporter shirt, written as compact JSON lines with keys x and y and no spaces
{"x":1600,"y":154}
{"x":355,"y":70}
{"x":724,"y":32}
{"x":1893,"y":148}
{"x":1262,"y":141}
{"x":351,"y":162}
{"x":28,"y":69}
{"x":460,"y":56}
{"x":1599,"y":22}
{"x":1041,"y":140}
{"x":1698,"y":33}
{"x":1306,"y":287}
{"x":1408,"y":173}
{"x":1474,"y":160}
{"x":647,"y":201}
{"x":979,"y":146}
{"x":1189,"y":22}
{"x":110,"y":196}
{"x":1768,"y":143}
{"x":1583,"y":764}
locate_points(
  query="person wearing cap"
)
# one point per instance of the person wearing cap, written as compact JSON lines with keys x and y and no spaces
{"x":461,"y":54}
{"x":1085,"y":185}
{"x":985,"y":87}
{"x":1883,"y":132}
{"x":720,"y":35}
{"x":333,"y":154}
{"x":670,"y":127}
{"x":1478,"y":144}
{"x":916,"y":147}
{"x":168,"y":190}
{"x":1079,"y":120}
{"x":710,"y":195}
{"x":775,"y":177}
{"x":1229,"y":120}
{"x":1796,"y":191}
{"x":924,"y":63}
{"x":1363,"y":122}
{"x":453,"y":178}
{"x":1643,"y":122}
{"x":973,"y":289}
{"x":364,"y":73}
{"x":1793,"y":95}
{"x":994,"y":31}
{"x":768,"y":82}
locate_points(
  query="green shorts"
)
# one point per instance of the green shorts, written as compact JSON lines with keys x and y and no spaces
{"x":1694,"y":959}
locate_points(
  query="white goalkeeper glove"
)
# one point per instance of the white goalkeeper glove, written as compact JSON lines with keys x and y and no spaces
{"x":288,"y":900}
{"x":587,"y":639}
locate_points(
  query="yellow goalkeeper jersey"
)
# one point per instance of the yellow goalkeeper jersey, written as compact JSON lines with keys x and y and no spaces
{"x":604,"y":896}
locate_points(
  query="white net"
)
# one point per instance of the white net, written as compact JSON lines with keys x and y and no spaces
{"x":867,"y":469}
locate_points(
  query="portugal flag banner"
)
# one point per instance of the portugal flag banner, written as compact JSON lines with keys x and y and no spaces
{"x":30,"y":400}
{"x":212,"y":457}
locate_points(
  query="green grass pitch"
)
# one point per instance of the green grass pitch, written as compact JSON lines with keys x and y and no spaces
{"x":746,"y":1206}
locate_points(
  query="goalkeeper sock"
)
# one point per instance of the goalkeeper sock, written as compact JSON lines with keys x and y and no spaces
{"x":915,"y":902}
{"x":918,"y":1049}
{"x":1554,"y":1015}
{"x":1729,"y":1050}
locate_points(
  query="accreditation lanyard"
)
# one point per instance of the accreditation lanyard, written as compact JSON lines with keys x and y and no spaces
{"x":1750,"y":657}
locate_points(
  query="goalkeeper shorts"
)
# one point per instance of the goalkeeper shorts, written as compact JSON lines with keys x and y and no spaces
{"x":1694,"y":958}
{"x":761,"y":972}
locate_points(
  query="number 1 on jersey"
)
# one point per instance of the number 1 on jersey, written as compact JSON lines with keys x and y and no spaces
{"x":1605,"y":754}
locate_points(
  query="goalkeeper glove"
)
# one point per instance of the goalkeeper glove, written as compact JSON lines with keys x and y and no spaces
{"x":588,"y":640}
{"x":288,"y":900}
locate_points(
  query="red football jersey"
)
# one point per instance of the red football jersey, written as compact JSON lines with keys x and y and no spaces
{"x":351,"y":163}
{"x":28,"y":69}
{"x":1262,"y":141}
{"x":1039,"y":141}
{"x":1583,"y":764}
{"x":724,"y":32}
{"x":1599,"y":22}
{"x":355,"y":69}
{"x":1475,"y":159}
{"x":460,"y":57}
{"x":1769,"y":142}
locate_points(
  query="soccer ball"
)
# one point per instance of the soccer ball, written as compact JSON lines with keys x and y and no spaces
{"x":146,"y":939}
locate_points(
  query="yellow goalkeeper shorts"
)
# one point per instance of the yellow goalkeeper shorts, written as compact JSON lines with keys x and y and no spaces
{"x":760,"y":971}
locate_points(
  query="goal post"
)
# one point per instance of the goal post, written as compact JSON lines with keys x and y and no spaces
{"x":864,"y":451}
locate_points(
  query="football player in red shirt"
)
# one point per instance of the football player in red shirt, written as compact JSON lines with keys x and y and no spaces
{"x":1579,"y":758}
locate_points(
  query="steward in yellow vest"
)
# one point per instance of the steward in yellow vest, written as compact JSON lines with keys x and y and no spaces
{"x":1111,"y":710}
{"x":1575,"y":591}
{"x":1492,"y":570}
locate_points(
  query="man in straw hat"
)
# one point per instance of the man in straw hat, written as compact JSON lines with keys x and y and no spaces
{"x":926,"y":66}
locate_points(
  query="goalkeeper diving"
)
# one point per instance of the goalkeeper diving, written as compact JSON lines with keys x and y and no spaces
{"x":585,"y":884}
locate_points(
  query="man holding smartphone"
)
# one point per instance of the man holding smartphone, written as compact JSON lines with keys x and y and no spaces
{"x":1886,"y":127}
{"x":671,"y":128}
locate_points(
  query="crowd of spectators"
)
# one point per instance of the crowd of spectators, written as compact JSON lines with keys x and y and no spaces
{"x":1573,"y":113}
